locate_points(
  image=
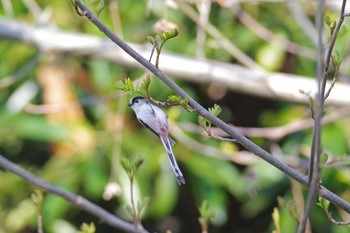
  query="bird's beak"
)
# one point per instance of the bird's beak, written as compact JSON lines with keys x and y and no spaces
{"x":129,"y":104}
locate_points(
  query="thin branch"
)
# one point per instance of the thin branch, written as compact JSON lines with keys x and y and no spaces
{"x":322,"y":74}
{"x":316,"y":150}
{"x":76,"y":200}
{"x":336,"y":200}
{"x":223,"y":41}
{"x":303,"y":21}
{"x":262,"y":32}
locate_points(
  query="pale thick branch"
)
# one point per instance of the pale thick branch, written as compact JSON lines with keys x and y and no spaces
{"x":278,"y":86}
{"x":76,"y":200}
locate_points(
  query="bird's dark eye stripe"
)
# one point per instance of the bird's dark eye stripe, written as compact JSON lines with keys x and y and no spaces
{"x":136,"y":99}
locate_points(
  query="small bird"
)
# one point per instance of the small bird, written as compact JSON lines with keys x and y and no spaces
{"x":154,"y":119}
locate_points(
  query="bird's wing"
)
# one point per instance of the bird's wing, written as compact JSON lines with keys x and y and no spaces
{"x":148,"y":127}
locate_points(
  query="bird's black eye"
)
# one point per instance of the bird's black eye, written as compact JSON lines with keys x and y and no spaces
{"x":136,"y":101}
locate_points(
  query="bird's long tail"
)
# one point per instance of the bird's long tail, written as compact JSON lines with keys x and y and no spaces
{"x":167,"y":145}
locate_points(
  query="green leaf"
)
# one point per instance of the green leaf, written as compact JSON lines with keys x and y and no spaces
{"x":143,"y":88}
{"x":203,"y":122}
{"x":87,"y":228}
{"x":130,"y":211}
{"x":272,"y":55}
{"x":206,"y":212}
{"x":186,"y":101}
{"x":324,"y":158}
{"x":276,"y":219}
{"x":137,"y":163}
{"x":337,"y":59}
{"x":289,"y":206}
{"x":126,"y":165}
{"x":141,"y":204}
{"x":129,"y":84}
{"x":324,"y":203}
{"x":152,"y":40}
{"x":216,"y":110}
{"x":168,"y":35}
{"x":100,"y":6}
{"x":129,"y":166}
{"x":328,"y":20}
{"x":174,"y":99}
{"x":37,"y":197}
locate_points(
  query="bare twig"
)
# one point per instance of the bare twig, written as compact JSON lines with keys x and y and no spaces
{"x":336,"y":200}
{"x":78,"y":201}
{"x":224,"y":42}
{"x":303,"y":21}
{"x":322,"y":74}
{"x":268,"y":36}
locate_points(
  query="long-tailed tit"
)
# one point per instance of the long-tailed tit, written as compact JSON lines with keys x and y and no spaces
{"x":154,"y":119}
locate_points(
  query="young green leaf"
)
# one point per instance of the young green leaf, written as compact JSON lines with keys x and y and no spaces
{"x":276,"y":220}
{"x":141,"y":204}
{"x":37,"y":197}
{"x":130,"y":210}
{"x":324,"y":158}
{"x":216,"y":110}
{"x":206,"y":212}
{"x":127,"y":85}
{"x":289,"y":206}
{"x":186,"y":101}
{"x":328,"y":20}
{"x":151,"y":40}
{"x":87,"y":228}
{"x":174,"y":99}
{"x":324,"y":203}
{"x":126,"y":165}
{"x":203,"y":122}
{"x":143,"y":88}
{"x":100,"y":6}
{"x":169,"y":35}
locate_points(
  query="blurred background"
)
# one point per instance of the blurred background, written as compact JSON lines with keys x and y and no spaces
{"x":62,"y":119}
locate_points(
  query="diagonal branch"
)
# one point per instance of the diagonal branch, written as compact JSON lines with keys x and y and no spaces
{"x":76,"y":200}
{"x":322,"y":191}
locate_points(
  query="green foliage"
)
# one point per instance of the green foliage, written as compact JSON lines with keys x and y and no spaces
{"x":125,"y":86}
{"x":205,"y":123}
{"x":50,"y":148}
{"x":100,"y":6}
{"x":276,"y":220}
{"x":206,"y":214}
{"x":128,"y":86}
{"x":87,"y":228}
{"x":131,"y":167}
{"x":37,"y":197}
{"x":323,"y":203}
{"x":164,"y":37}
{"x":330,"y":23}
{"x":271,"y":55}
{"x":288,"y":206}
